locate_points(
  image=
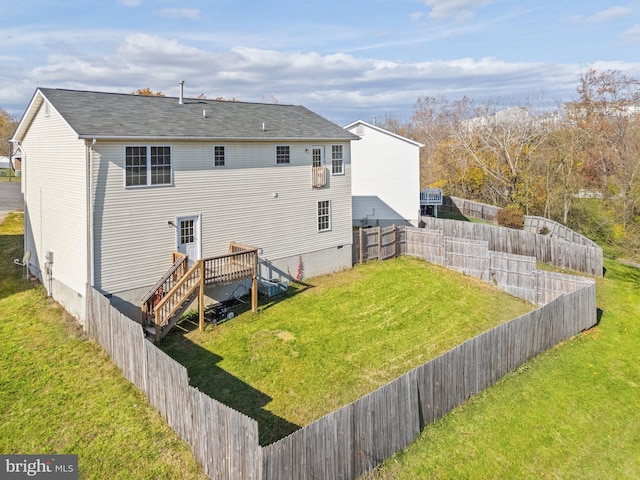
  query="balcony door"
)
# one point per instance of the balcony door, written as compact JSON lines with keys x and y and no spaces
{"x":188,"y":237}
{"x":317,"y":153}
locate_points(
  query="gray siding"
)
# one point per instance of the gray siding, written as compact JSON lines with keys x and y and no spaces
{"x":251,"y":200}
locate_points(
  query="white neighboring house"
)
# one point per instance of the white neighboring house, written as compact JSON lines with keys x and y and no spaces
{"x":4,"y":162}
{"x":113,"y":183}
{"x":385,"y":183}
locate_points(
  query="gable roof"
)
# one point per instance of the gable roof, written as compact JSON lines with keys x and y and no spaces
{"x":382,"y":130}
{"x":126,"y":116}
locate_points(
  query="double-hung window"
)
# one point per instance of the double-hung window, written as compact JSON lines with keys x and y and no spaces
{"x":283,"y":154}
{"x":337,"y":160}
{"x":147,"y":165}
{"x":324,"y":215}
{"x":219,"y":154}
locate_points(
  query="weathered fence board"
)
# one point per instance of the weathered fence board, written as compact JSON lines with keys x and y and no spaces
{"x":556,"y":251}
{"x":354,"y":439}
{"x":224,"y":441}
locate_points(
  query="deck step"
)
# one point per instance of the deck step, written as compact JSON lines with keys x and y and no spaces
{"x":150,"y":330}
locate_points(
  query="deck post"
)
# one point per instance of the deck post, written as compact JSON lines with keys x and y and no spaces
{"x":254,"y":284}
{"x":201,"y":298}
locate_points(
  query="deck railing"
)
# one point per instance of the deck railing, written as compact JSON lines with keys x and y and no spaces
{"x":230,"y":267}
{"x":431,"y":196}
{"x":179,"y":285}
{"x":318,"y":176}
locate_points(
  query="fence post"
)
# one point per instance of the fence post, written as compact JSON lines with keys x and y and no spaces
{"x":395,"y":241}
{"x":379,"y":242}
{"x":361,"y":251}
{"x":201,"y":297}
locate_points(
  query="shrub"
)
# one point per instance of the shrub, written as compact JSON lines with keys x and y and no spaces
{"x":511,"y":216}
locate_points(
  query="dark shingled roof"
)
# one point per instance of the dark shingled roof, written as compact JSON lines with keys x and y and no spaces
{"x":115,"y":115}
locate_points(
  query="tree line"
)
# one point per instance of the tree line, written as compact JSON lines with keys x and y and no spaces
{"x":578,"y":164}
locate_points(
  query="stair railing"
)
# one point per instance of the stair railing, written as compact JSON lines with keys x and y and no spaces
{"x":164,"y":285}
{"x":173,"y":300}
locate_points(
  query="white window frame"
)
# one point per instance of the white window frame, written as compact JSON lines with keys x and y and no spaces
{"x":337,"y":161}
{"x":320,"y":215}
{"x":278,"y":155}
{"x":224,"y":156}
{"x":148,"y":167}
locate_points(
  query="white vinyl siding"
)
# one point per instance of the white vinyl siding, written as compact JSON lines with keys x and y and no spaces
{"x":385,"y":177}
{"x":251,"y":201}
{"x":55,"y":167}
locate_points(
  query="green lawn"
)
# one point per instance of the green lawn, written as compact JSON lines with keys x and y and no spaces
{"x":8,"y":175}
{"x":337,"y":339}
{"x":572,"y":412}
{"x":59,"y":393}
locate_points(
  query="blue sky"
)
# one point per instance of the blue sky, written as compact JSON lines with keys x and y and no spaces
{"x":343,"y":59}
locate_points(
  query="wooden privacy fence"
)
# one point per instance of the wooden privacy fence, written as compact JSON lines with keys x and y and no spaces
{"x":359,"y":436}
{"x":354,"y":439}
{"x":224,"y":441}
{"x":532,"y":223}
{"x":546,"y":249}
{"x":469,"y":208}
{"x":513,"y":273}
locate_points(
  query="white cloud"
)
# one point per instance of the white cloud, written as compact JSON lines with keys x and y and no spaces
{"x":131,"y":3}
{"x":416,"y":16}
{"x":458,"y":9}
{"x":190,"y":13}
{"x":339,"y":86}
{"x":608,"y":15}
{"x":632,"y":35}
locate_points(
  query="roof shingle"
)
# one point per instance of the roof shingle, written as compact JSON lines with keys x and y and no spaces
{"x":115,"y":115}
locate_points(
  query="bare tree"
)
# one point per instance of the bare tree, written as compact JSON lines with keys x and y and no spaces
{"x":8,"y":126}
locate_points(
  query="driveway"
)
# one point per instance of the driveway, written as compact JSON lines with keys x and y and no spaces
{"x":10,"y":198}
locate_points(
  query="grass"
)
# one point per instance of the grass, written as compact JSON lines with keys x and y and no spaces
{"x":333,"y":341}
{"x":462,"y":218}
{"x":572,"y":412}
{"x":8,"y":175}
{"x":60,"y":394}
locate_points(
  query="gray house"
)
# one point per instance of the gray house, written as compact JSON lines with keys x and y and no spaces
{"x":114,"y":184}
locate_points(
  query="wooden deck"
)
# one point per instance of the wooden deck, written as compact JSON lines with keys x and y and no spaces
{"x":178,"y":288}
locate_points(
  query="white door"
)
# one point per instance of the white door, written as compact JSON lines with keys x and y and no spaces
{"x":317,"y":154}
{"x":189,"y":237}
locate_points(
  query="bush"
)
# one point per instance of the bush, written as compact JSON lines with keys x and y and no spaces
{"x":511,"y":216}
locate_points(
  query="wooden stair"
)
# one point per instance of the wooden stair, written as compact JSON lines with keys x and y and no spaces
{"x":155,"y":333}
{"x":163,"y":305}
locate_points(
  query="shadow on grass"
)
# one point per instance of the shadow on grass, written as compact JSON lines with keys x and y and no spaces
{"x":12,"y":276}
{"x":206,"y":375}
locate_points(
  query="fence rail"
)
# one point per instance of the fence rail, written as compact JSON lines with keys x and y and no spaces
{"x":354,"y":439}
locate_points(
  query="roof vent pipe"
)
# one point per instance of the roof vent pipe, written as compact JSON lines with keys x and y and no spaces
{"x":181,"y":99}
